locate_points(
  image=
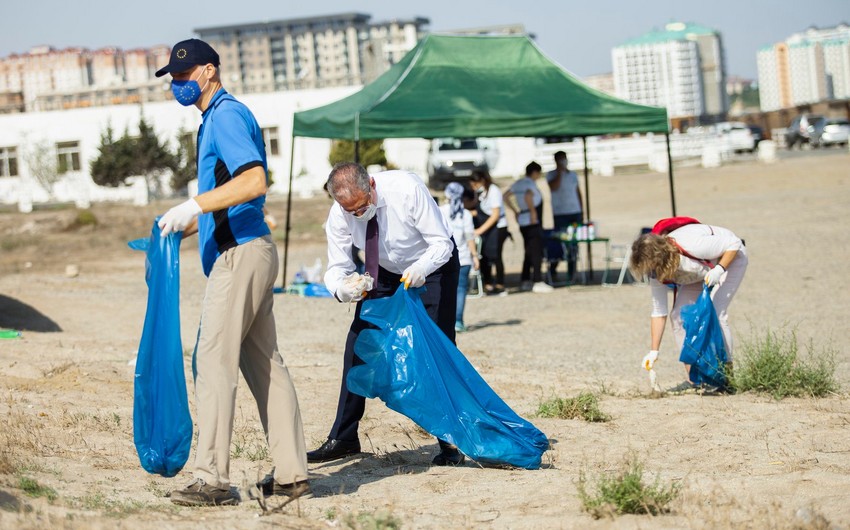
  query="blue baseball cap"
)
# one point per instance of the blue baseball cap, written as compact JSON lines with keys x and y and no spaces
{"x":188,"y":53}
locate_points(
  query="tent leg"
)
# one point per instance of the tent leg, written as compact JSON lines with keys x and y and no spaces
{"x":670,"y":174}
{"x":356,"y":151}
{"x":587,"y":206}
{"x":288,"y":213}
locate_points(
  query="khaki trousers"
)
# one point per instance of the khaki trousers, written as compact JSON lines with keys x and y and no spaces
{"x":238,"y":333}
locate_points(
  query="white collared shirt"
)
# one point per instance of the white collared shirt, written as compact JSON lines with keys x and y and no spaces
{"x":411,"y":230}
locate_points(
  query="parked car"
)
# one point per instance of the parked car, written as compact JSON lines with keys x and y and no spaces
{"x":757,"y":132}
{"x":800,"y":130}
{"x":454,"y":159}
{"x":830,"y":131}
{"x":737,"y":136}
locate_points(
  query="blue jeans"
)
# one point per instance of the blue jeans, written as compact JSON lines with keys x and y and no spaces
{"x":462,"y":287}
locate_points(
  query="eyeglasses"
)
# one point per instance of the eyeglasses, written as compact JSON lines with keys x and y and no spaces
{"x":358,"y":212}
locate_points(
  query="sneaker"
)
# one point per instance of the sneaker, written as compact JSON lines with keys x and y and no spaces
{"x":199,"y":493}
{"x":295,"y":490}
{"x":460,"y":327}
{"x":542,"y":287}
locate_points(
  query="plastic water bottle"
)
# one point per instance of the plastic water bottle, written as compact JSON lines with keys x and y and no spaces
{"x":9,"y":334}
{"x":591,"y":231}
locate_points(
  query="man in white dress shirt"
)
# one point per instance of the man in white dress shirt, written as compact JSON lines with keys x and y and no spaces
{"x":411,"y":244}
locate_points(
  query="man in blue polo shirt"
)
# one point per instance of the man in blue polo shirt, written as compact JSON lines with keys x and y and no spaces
{"x":240,"y":259}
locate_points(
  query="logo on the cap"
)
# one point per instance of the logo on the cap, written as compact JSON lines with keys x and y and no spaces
{"x":181,"y":53}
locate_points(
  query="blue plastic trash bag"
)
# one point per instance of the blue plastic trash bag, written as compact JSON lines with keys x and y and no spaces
{"x":704,"y":349}
{"x":413,"y":367}
{"x":318,"y":290}
{"x":162,"y":426}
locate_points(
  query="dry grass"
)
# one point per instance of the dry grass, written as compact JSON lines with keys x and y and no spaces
{"x":625,"y":492}
{"x":584,"y":406}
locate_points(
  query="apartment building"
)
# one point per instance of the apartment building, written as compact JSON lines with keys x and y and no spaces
{"x":313,"y":52}
{"x":49,"y":79}
{"x":807,"y":67}
{"x":681,"y":67}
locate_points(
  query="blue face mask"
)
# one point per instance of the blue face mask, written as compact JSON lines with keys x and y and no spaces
{"x":187,"y":92}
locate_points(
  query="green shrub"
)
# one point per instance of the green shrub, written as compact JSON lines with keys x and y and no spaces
{"x":771,"y":365}
{"x":585,"y":407}
{"x":379,"y":520}
{"x":34,"y":489}
{"x":85,"y":218}
{"x":625,"y":493}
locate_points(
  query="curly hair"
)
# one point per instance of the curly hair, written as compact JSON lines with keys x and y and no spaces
{"x":654,"y":256}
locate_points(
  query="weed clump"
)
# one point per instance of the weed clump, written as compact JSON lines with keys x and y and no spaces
{"x":625,"y":493}
{"x":35,"y":490}
{"x":85,"y":218}
{"x":379,"y":520}
{"x":585,"y":407}
{"x":772,"y":365}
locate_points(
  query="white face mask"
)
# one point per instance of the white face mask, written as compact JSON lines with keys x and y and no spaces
{"x":368,"y":214}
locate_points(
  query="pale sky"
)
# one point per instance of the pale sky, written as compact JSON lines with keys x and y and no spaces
{"x":578,"y":35}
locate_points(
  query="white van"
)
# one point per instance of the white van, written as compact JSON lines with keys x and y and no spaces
{"x":454,"y":159}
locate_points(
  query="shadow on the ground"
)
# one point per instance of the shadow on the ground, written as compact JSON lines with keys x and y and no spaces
{"x":490,"y":323}
{"x":17,"y":315}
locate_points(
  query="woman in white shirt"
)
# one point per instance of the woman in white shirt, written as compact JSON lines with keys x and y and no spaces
{"x":688,"y":257}
{"x":529,"y":211}
{"x":460,"y":221}
{"x":493,"y":231}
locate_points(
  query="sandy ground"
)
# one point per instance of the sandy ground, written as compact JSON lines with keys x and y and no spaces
{"x":743,"y":461}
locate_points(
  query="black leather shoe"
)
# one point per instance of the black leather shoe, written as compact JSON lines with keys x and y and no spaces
{"x":333,"y":449}
{"x":448,"y":456}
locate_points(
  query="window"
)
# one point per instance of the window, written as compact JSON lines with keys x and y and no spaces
{"x":270,"y":138}
{"x":68,"y":156}
{"x":8,"y":162}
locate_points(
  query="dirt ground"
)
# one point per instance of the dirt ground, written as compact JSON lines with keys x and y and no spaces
{"x":743,"y":461}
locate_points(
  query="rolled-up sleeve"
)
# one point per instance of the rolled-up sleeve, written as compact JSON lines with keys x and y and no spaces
{"x":340,"y":263}
{"x":430,"y":222}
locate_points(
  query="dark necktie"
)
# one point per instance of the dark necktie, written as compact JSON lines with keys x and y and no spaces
{"x":372,"y":250}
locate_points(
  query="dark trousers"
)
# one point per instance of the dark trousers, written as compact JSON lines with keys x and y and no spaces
{"x":493,"y":258}
{"x":532,"y":239}
{"x":555,"y":250}
{"x":440,"y":300}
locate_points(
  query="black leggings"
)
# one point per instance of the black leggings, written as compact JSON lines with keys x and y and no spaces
{"x":532,"y":238}
{"x":488,"y":262}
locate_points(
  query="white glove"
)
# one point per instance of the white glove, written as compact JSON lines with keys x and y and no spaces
{"x":649,"y":359}
{"x":413,"y":277}
{"x":713,"y":276}
{"x":353,"y":287}
{"x":179,"y":217}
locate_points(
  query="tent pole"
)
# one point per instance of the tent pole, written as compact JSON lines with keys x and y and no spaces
{"x":356,"y":151}
{"x":288,"y":212}
{"x":587,"y":204}
{"x":670,"y":173}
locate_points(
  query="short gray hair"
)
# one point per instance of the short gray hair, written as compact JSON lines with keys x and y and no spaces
{"x":346,"y":178}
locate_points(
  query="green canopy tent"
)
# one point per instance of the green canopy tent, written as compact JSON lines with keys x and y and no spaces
{"x":476,"y":86}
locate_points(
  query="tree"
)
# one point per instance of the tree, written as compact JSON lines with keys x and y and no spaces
{"x":185,"y":168}
{"x":41,"y":161}
{"x":114,"y":163}
{"x":129,"y":156}
{"x":371,"y":152}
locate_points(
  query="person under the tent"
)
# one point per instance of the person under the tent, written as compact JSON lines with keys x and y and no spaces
{"x":687,"y":257}
{"x":407,"y":240}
